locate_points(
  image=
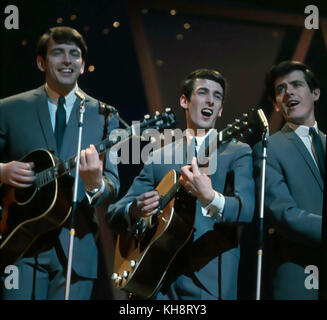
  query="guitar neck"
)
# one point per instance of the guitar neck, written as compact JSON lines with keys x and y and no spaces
{"x":64,"y":167}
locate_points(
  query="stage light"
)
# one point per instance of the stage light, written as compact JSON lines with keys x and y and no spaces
{"x":91,"y":68}
{"x":179,"y":36}
{"x":73,"y":17}
{"x":60,"y":20}
{"x":160,"y":62}
{"x":116,"y":24}
{"x":173,"y":12}
{"x":187,"y":26}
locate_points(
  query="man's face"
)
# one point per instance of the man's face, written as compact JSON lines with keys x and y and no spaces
{"x":204,"y":106}
{"x":62,"y":67}
{"x":294,"y":98}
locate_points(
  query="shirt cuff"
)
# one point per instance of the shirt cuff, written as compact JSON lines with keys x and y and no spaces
{"x":96,"y":195}
{"x":215,"y":208}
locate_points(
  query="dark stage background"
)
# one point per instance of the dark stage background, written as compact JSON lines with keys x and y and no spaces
{"x":140,"y":51}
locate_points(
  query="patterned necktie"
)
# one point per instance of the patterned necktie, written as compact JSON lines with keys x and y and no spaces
{"x":318,"y":150}
{"x":60,"y":122}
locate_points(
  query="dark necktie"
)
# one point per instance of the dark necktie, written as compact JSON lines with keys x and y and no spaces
{"x":60,"y":122}
{"x":318,"y":150}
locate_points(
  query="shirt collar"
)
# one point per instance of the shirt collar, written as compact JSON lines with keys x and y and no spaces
{"x":70,"y":98}
{"x":302,"y":131}
{"x":199,"y":139}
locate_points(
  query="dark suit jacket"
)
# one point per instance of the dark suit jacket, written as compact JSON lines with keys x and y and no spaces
{"x":293,"y":202}
{"x":25,"y":126}
{"x":213,"y":245}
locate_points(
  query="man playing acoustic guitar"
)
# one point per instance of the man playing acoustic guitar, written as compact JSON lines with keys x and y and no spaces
{"x":206,"y":267}
{"x":47,"y":118}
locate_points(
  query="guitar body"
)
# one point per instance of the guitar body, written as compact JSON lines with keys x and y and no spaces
{"x":28,"y":213}
{"x":154,"y":250}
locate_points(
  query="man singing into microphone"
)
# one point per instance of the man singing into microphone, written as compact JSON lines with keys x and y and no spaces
{"x":47,"y":118}
{"x":294,"y":180}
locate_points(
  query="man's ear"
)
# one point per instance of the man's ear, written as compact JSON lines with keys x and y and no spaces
{"x":220,"y":111}
{"x":83,"y":67}
{"x":40,"y":63}
{"x":183,"y":101}
{"x":316,"y":94}
{"x":276,"y":107}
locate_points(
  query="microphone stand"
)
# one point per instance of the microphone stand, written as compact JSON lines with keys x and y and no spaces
{"x":265,"y":136}
{"x":74,"y":204}
{"x":106,"y":110}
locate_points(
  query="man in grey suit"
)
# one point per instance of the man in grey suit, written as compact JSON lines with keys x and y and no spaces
{"x":48,"y":118}
{"x":207,"y":267}
{"x":294,"y":181}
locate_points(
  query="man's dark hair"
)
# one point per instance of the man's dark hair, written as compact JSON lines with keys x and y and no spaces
{"x":61,"y":35}
{"x":209,"y":74}
{"x":285,"y":68}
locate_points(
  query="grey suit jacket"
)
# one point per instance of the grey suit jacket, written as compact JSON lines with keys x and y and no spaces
{"x":213,"y":247}
{"x":293,"y":202}
{"x":25,"y":126}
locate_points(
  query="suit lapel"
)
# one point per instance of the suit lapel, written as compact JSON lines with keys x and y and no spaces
{"x":44,"y":118}
{"x":297,"y":142}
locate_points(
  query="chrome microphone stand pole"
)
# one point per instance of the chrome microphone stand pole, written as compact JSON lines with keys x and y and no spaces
{"x":74,"y":204}
{"x":265,"y":136}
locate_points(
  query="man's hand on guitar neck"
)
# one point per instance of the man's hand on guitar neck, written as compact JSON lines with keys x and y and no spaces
{"x":91,"y":168}
{"x":17,"y":174}
{"x":197,"y":183}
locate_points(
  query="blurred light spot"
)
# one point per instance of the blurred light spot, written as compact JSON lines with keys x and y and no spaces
{"x":179,"y":36}
{"x":187,"y":26}
{"x":275,"y":34}
{"x":116,"y":24}
{"x":271,"y":231}
{"x":86,"y":28}
{"x":173,"y":12}
{"x":144,"y":11}
{"x":24,"y":42}
{"x":60,"y":20}
{"x":91,"y":68}
{"x":73,"y":17}
{"x":160,"y":62}
{"x":105,"y":31}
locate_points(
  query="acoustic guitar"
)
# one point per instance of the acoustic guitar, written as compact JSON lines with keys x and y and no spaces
{"x":28,"y":213}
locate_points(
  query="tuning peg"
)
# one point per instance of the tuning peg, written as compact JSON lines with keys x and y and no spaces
{"x":147,"y":117}
{"x":124,"y":274}
{"x":229,"y":125}
{"x":237,"y":120}
{"x":157,"y":113}
{"x":168,"y":109}
{"x":132,"y":263}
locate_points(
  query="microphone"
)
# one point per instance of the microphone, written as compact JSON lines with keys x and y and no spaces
{"x":263,"y":118}
{"x":106,"y":108}
{"x":80,"y":95}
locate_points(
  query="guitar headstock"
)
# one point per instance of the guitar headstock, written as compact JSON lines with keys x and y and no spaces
{"x":239,"y":126}
{"x":160,"y":121}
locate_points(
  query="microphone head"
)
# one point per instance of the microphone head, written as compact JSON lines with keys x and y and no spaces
{"x":80,"y":95}
{"x":263,"y":118}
